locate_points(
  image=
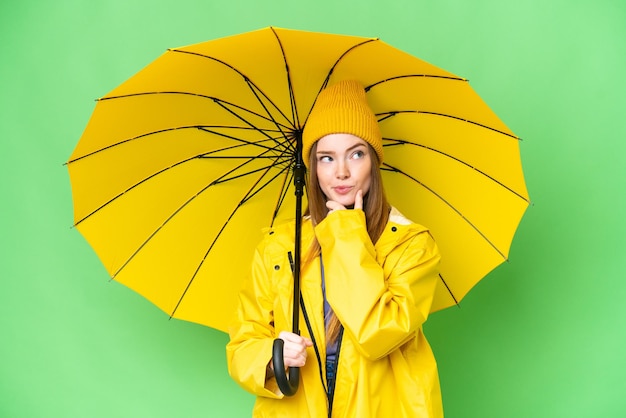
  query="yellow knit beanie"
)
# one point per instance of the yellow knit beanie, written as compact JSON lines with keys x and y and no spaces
{"x":342,"y":109}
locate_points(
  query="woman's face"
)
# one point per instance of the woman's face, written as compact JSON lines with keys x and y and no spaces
{"x":343,"y":167}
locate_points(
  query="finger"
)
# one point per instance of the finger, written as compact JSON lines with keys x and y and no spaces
{"x":294,"y":352}
{"x":294,"y":344}
{"x":294,"y":349}
{"x":358,"y":200}
{"x":294,"y":356}
{"x":295,"y":362}
{"x":332,"y":206}
{"x":291,"y":337}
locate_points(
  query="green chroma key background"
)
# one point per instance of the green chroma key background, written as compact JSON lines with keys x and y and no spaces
{"x":541,"y":336}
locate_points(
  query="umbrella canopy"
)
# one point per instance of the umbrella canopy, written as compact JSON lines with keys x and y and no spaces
{"x":182,"y":166}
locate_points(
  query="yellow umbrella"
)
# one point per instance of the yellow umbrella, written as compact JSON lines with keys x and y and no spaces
{"x":181,"y":166}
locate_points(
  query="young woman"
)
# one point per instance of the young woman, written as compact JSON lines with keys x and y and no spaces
{"x":367,"y":281}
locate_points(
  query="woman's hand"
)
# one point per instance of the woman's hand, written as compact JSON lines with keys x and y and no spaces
{"x":294,"y":349}
{"x":358,"y":203}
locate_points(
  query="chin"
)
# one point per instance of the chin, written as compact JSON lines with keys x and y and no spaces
{"x":348,"y":204}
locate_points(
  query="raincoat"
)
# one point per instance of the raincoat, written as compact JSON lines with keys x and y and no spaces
{"x":381,"y":294}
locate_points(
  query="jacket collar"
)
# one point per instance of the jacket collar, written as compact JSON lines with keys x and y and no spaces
{"x":397,"y":230}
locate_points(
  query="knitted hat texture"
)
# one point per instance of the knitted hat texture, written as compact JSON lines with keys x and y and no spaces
{"x":342,"y":108}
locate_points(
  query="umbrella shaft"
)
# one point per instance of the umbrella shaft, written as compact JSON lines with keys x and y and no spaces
{"x":299,"y":171}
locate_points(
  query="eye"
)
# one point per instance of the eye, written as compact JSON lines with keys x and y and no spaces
{"x":358,"y":154}
{"x":325,"y":158}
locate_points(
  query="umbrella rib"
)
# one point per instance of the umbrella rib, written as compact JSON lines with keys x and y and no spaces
{"x":405,"y":142}
{"x":456,"y":301}
{"x":224,"y":179}
{"x":205,"y":128}
{"x":244,"y":142}
{"x":332,"y":68}
{"x":281,"y":199}
{"x":245,"y":77}
{"x":444,"y":77}
{"x":267,"y":183}
{"x":270,"y":117}
{"x":201,"y":156}
{"x":254,"y":89}
{"x":129,"y":140}
{"x":292,"y":98}
{"x":342,"y":56}
{"x":388,"y":167}
{"x":387,"y":115}
{"x":204,"y":96}
{"x":278,"y":161}
{"x":181,"y":207}
{"x":247,"y":197}
{"x":367,"y":88}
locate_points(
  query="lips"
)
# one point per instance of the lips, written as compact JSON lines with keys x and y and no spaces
{"x":342,"y":190}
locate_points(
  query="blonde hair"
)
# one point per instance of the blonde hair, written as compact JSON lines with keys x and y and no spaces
{"x":375,"y":206}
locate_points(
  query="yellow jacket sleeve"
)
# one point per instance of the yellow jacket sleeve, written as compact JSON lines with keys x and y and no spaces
{"x":252,"y":335}
{"x":380,"y":301}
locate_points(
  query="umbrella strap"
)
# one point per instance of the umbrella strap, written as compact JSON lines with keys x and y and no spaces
{"x":329,"y":390}
{"x":317,"y":351}
{"x":331,"y":361}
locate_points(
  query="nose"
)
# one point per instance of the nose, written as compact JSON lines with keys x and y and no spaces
{"x":343,"y":171}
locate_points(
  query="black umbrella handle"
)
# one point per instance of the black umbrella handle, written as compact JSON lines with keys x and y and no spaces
{"x":288,"y":386}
